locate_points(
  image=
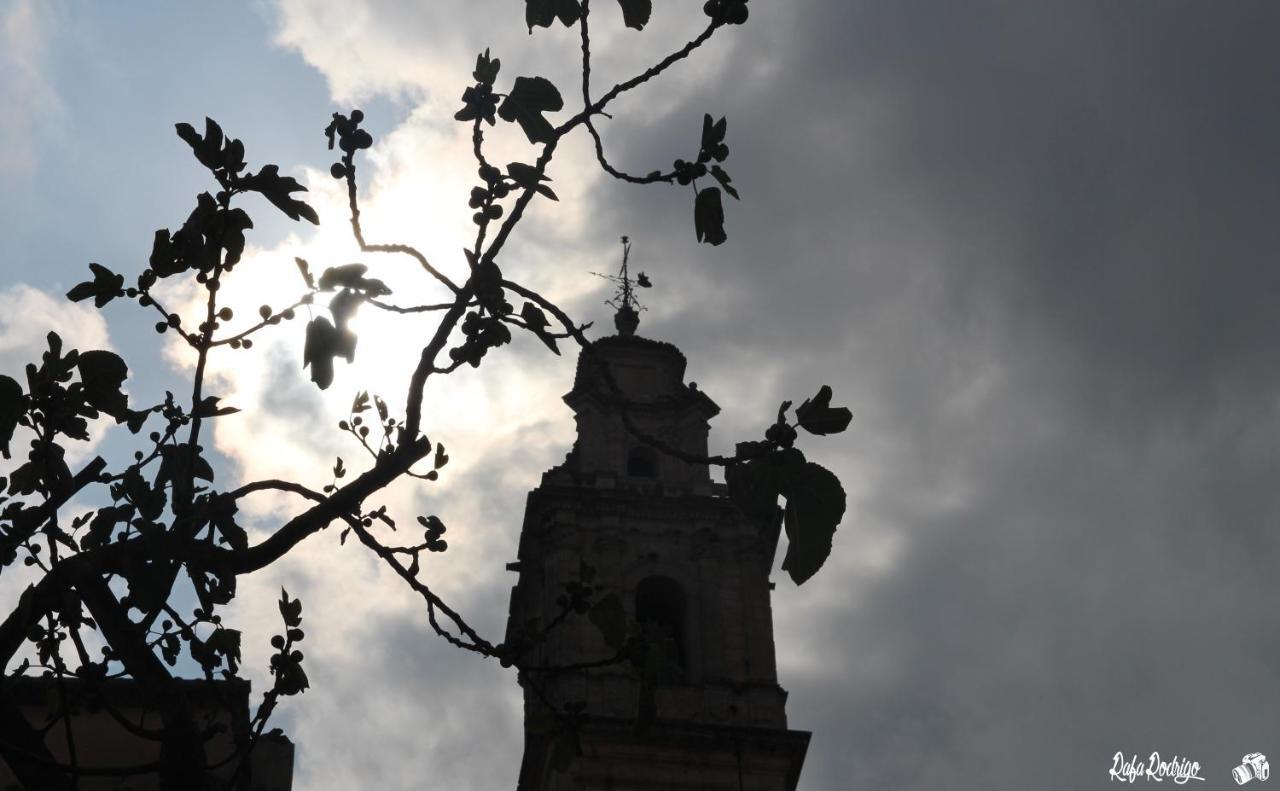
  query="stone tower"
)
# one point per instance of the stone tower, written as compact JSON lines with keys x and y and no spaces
{"x":685,"y":564}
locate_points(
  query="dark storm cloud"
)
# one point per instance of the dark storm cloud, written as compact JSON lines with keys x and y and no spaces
{"x":1036,"y":247}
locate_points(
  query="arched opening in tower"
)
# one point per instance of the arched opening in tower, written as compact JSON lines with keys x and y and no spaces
{"x":660,"y":611}
{"x":642,"y":462}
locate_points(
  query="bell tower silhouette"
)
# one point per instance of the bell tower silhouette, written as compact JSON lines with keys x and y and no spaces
{"x":686,"y":566}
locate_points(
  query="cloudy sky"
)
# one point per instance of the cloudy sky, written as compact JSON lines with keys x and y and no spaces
{"x":1033,"y":246}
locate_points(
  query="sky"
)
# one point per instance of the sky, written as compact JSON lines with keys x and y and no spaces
{"x":1032,"y":246}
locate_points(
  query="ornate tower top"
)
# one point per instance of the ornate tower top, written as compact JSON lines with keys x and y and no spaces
{"x":624,"y":301}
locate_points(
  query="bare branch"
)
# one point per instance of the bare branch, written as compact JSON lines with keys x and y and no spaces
{"x":434,"y":602}
{"x":353,"y":204}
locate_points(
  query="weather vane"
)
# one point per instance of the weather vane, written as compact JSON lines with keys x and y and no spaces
{"x":624,"y":299}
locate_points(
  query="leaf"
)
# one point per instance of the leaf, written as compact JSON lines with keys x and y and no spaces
{"x":478,"y":101}
{"x":305,"y":271}
{"x":208,"y":407}
{"x":713,"y":146}
{"x":541,"y":13}
{"x":323,"y":343}
{"x":719,"y":175}
{"x":486,"y":68}
{"x":105,"y":286}
{"x":343,"y":306}
{"x":25,"y":479}
{"x":277,"y":189}
{"x":635,"y":13}
{"x":12,"y":405}
{"x":533,"y":316}
{"x":233,"y":156}
{"x":318,"y":351}
{"x":134,"y":419}
{"x":537,"y":321}
{"x":290,"y":610}
{"x":610,"y":618}
{"x":754,"y":487}
{"x":208,"y":149}
{"x":102,"y":374}
{"x":200,"y":468}
{"x":527,"y":176}
{"x":291,"y":679}
{"x":708,"y":216}
{"x":815,"y":506}
{"x":530,"y":97}
{"x":227,"y":643}
{"x":104,"y":523}
{"x":169,"y":647}
{"x":817,"y":416}
{"x":228,"y":227}
{"x":352,"y":276}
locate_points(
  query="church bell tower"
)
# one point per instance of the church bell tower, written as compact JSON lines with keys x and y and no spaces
{"x":685,"y":565}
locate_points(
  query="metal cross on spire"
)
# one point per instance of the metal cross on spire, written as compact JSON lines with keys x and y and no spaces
{"x":624,"y":299}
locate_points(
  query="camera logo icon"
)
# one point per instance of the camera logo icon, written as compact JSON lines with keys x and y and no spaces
{"x":1253,"y":766}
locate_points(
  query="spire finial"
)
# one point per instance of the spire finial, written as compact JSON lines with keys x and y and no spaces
{"x":624,"y":299}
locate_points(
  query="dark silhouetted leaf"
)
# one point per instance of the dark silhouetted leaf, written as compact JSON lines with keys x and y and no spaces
{"x":708,"y":216}
{"x":305,"y":271}
{"x":352,"y":276}
{"x":226,"y":643}
{"x":541,"y":13}
{"x":537,"y":321}
{"x":105,"y":286}
{"x":713,"y":146}
{"x":323,"y":343}
{"x":754,"y":487}
{"x":527,"y":176}
{"x":817,"y":416}
{"x":169,"y":648}
{"x":478,"y":101}
{"x":530,"y":97}
{"x":533,"y":316}
{"x":104,"y":524}
{"x":278,"y":189}
{"x":25,"y":479}
{"x":815,"y":506}
{"x":208,"y":407}
{"x":102,"y":373}
{"x":719,"y":175}
{"x":486,"y":68}
{"x":12,"y":405}
{"x":134,"y":419}
{"x":636,"y":12}
{"x":318,"y":351}
{"x":228,"y":227}
{"x":290,"y":610}
{"x":208,"y":149}
{"x":343,"y":306}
